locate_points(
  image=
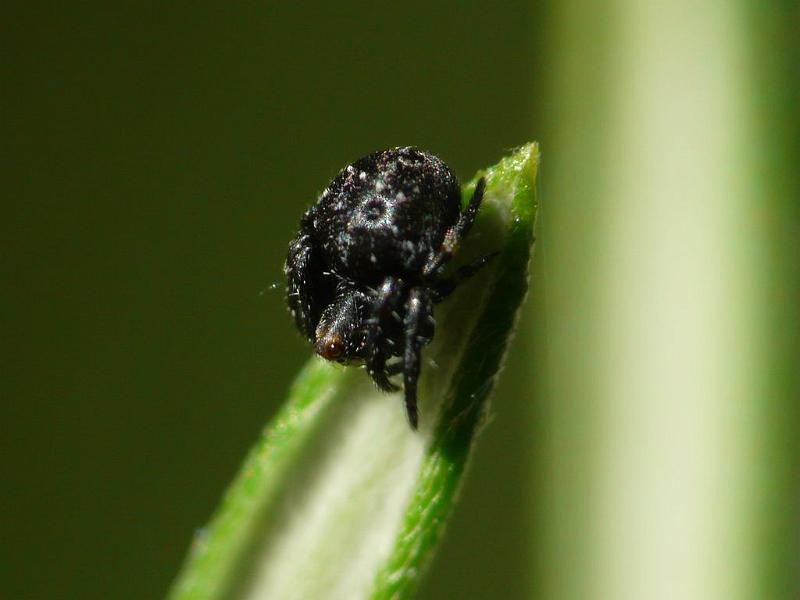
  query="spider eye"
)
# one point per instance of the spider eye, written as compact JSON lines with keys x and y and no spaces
{"x":334,"y":349}
{"x":330,"y":348}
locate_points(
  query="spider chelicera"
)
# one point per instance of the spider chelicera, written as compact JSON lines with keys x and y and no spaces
{"x":366,"y":267}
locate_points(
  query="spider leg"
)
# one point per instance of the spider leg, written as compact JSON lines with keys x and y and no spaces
{"x":418,"y":324}
{"x":376,"y":369}
{"x":394,"y":368}
{"x":443,"y":288}
{"x":382,"y":312}
{"x":307,"y":290}
{"x":456,"y":233}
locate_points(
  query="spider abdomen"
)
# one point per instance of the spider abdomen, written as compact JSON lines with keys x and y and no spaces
{"x":386,"y":213}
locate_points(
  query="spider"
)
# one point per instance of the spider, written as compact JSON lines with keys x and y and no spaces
{"x":367,"y":265}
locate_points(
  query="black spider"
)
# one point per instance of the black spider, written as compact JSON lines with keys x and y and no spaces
{"x":366,"y":267}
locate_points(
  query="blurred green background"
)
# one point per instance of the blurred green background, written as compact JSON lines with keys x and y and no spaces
{"x":159,"y":159}
{"x":644,"y":439}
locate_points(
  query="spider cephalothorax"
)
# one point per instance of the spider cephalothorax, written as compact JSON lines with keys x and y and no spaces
{"x":366,"y":268}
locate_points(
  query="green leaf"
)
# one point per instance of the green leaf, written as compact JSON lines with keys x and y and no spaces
{"x":340,"y":498}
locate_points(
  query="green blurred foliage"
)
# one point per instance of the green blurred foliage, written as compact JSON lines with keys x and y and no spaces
{"x":158,"y":161}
